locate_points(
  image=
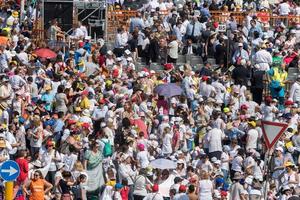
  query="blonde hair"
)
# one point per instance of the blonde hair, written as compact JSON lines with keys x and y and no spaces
{"x":204,"y":175}
{"x":78,"y":166}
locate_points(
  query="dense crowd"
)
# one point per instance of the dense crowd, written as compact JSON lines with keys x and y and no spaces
{"x":84,"y":121}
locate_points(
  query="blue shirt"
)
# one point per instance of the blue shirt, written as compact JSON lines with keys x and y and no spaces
{"x":87,"y":47}
{"x":58,"y":126}
{"x":48,"y":98}
{"x":136,"y":22}
{"x":253,"y":29}
{"x":205,"y":12}
{"x":78,"y":54}
{"x":197,"y":30}
{"x":177,"y":32}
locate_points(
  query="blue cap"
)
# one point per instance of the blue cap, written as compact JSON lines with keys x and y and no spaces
{"x":118,"y":186}
{"x":225,"y":187}
{"x":219,"y":181}
{"x":21,"y":120}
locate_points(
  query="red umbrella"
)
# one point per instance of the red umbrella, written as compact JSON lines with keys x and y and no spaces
{"x":45,"y":53}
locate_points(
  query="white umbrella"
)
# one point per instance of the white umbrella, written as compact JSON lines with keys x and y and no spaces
{"x":163,"y":163}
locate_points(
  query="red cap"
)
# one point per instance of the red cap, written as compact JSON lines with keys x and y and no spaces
{"x":86,"y":125}
{"x":102,"y":101}
{"x":115,"y":73}
{"x":289,"y":103}
{"x":146,"y":70}
{"x":141,"y":147}
{"x":71,"y":121}
{"x":223,"y":193}
{"x":50,"y":143}
{"x":85,"y":93}
{"x":168,"y":66}
{"x":182,"y":188}
{"x":268,"y":99}
{"x":244,"y":107}
{"x":155,"y":188}
{"x":205,"y":78}
{"x":81,"y":44}
{"x":215,"y":24}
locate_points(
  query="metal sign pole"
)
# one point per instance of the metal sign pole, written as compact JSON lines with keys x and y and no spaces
{"x":9,"y":190}
{"x":266,"y":168}
{"x":106,"y":21}
{"x":22,"y":10}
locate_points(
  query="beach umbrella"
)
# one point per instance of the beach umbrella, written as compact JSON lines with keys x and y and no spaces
{"x":168,"y":90}
{"x":45,"y":53}
{"x":163,"y":163}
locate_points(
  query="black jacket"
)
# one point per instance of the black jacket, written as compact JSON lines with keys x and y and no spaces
{"x":185,"y":50}
{"x":257,"y":80}
{"x":240,"y":75}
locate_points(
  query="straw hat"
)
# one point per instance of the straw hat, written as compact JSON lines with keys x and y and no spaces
{"x":3,"y":105}
{"x":237,"y":176}
{"x":15,"y":14}
{"x":289,"y":164}
{"x":2,"y":144}
{"x":48,"y":87}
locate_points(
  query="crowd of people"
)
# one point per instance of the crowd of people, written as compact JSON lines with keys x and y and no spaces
{"x":83,"y":122}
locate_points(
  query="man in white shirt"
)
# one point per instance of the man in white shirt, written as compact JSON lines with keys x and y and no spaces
{"x":206,"y":89}
{"x":126,"y":172}
{"x":100,"y":111}
{"x":162,"y":5}
{"x":295,"y":91}
{"x":262,"y":59}
{"x":284,"y":8}
{"x":23,"y":56}
{"x":252,"y":136}
{"x":214,"y":138}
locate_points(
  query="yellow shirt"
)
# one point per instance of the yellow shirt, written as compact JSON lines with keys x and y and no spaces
{"x":85,"y":103}
{"x":279,"y":76}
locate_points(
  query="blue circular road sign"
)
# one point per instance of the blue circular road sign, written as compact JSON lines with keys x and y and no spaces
{"x":9,"y":170}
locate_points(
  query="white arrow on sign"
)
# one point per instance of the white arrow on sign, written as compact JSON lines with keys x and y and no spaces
{"x":11,"y":171}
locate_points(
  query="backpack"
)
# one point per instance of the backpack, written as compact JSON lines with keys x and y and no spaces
{"x":107,"y":150}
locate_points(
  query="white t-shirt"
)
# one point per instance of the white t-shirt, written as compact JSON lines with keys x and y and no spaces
{"x":69,"y":161}
{"x":167,"y":145}
{"x":252,"y":139}
{"x":284,"y":9}
{"x":173,"y":49}
{"x":36,"y":142}
{"x":143,"y":158}
{"x":237,"y":163}
{"x":11,"y":140}
{"x":116,"y":195}
{"x":23,"y":57}
{"x":214,"y":139}
{"x":225,"y":157}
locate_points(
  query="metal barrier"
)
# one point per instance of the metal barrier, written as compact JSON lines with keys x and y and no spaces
{"x":117,"y":18}
{"x":264,"y":17}
{"x":219,"y":16}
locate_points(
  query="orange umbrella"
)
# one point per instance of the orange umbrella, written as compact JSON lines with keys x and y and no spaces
{"x":45,"y":53}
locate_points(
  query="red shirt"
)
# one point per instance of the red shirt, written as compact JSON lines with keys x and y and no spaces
{"x":23,"y":164}
{"x":101,"y":60}
{"x":124,"y":193}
